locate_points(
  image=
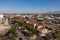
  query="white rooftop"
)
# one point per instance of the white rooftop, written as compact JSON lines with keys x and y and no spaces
{"x":1,"y":15}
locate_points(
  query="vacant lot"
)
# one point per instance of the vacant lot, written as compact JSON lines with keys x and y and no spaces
{"x":4,"y":28}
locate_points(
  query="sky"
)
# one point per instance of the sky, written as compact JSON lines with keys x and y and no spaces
{"x":29,"y":6}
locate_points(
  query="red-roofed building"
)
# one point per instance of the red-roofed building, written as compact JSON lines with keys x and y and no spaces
{"x":40,"y":28}
{"x":35,"y":23}
{"x":20,"y":20}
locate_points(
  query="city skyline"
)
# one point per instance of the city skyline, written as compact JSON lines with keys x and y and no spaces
{"x":29,"y":6}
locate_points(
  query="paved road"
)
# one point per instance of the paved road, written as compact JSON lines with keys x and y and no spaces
{"x":39,"y":38}
{"x":21,"y":35}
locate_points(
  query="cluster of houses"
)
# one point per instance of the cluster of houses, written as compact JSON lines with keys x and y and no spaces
{"x":35,"y":24}
{"x":39,"y":27}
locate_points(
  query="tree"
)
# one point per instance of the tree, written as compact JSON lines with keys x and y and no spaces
{"x":47,"y":37}
{"x":1,"y":35}
{"x":57,"y":34}
{"x":13,"y":31}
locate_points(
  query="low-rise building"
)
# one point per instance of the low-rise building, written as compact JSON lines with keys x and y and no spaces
{"x":1,"y":18}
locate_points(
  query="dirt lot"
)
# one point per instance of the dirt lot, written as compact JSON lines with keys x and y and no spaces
{"x":4,"y":28}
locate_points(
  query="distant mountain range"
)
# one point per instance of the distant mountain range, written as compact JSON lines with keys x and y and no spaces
{"x":53,"y":12}
{"x":50,"y":12}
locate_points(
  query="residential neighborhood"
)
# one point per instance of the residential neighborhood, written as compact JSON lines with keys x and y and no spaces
{"x":29,"y":27}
